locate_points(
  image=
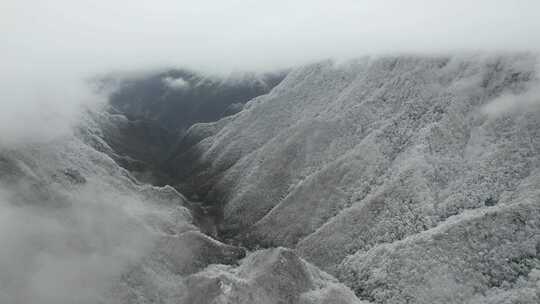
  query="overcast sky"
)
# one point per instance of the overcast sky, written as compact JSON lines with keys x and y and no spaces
{"x":255,"y":34}
{"x":46,"y":46}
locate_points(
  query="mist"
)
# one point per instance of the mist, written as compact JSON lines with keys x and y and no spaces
{"x":49,"y":48}
{"x":510,"y":103}
{"x":66,"y":250}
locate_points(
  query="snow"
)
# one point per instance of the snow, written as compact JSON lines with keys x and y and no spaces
{"x":342,"y":162}
{"x":387,"y":173}
{"x":267,"y":276}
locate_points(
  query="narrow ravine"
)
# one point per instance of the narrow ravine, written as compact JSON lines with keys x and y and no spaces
{"x":206,"y":262}
{"x":147,"y":138}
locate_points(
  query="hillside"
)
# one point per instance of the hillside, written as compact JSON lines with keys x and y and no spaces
{"x":413,"y":179}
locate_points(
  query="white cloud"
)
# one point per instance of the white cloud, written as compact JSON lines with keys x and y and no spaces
{"x":176,"y":83}
{"x":38,"y":108}
{"x":257,"y":34}
{"x":69,"y":253}
{"x":511,"y":103}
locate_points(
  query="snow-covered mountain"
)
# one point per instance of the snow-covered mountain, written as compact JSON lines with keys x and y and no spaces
{"x":413,"y":179}
{"x":408,"y":179}
{"x":75,"y":227}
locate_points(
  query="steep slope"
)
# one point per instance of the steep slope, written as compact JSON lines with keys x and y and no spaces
{"x":136,"y":145}
{"x":340,"y":160}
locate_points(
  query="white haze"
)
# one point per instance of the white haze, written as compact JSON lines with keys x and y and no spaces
{"x":71,"y":253}
{"x":49,"y":47}
{"x":509,"y":103}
